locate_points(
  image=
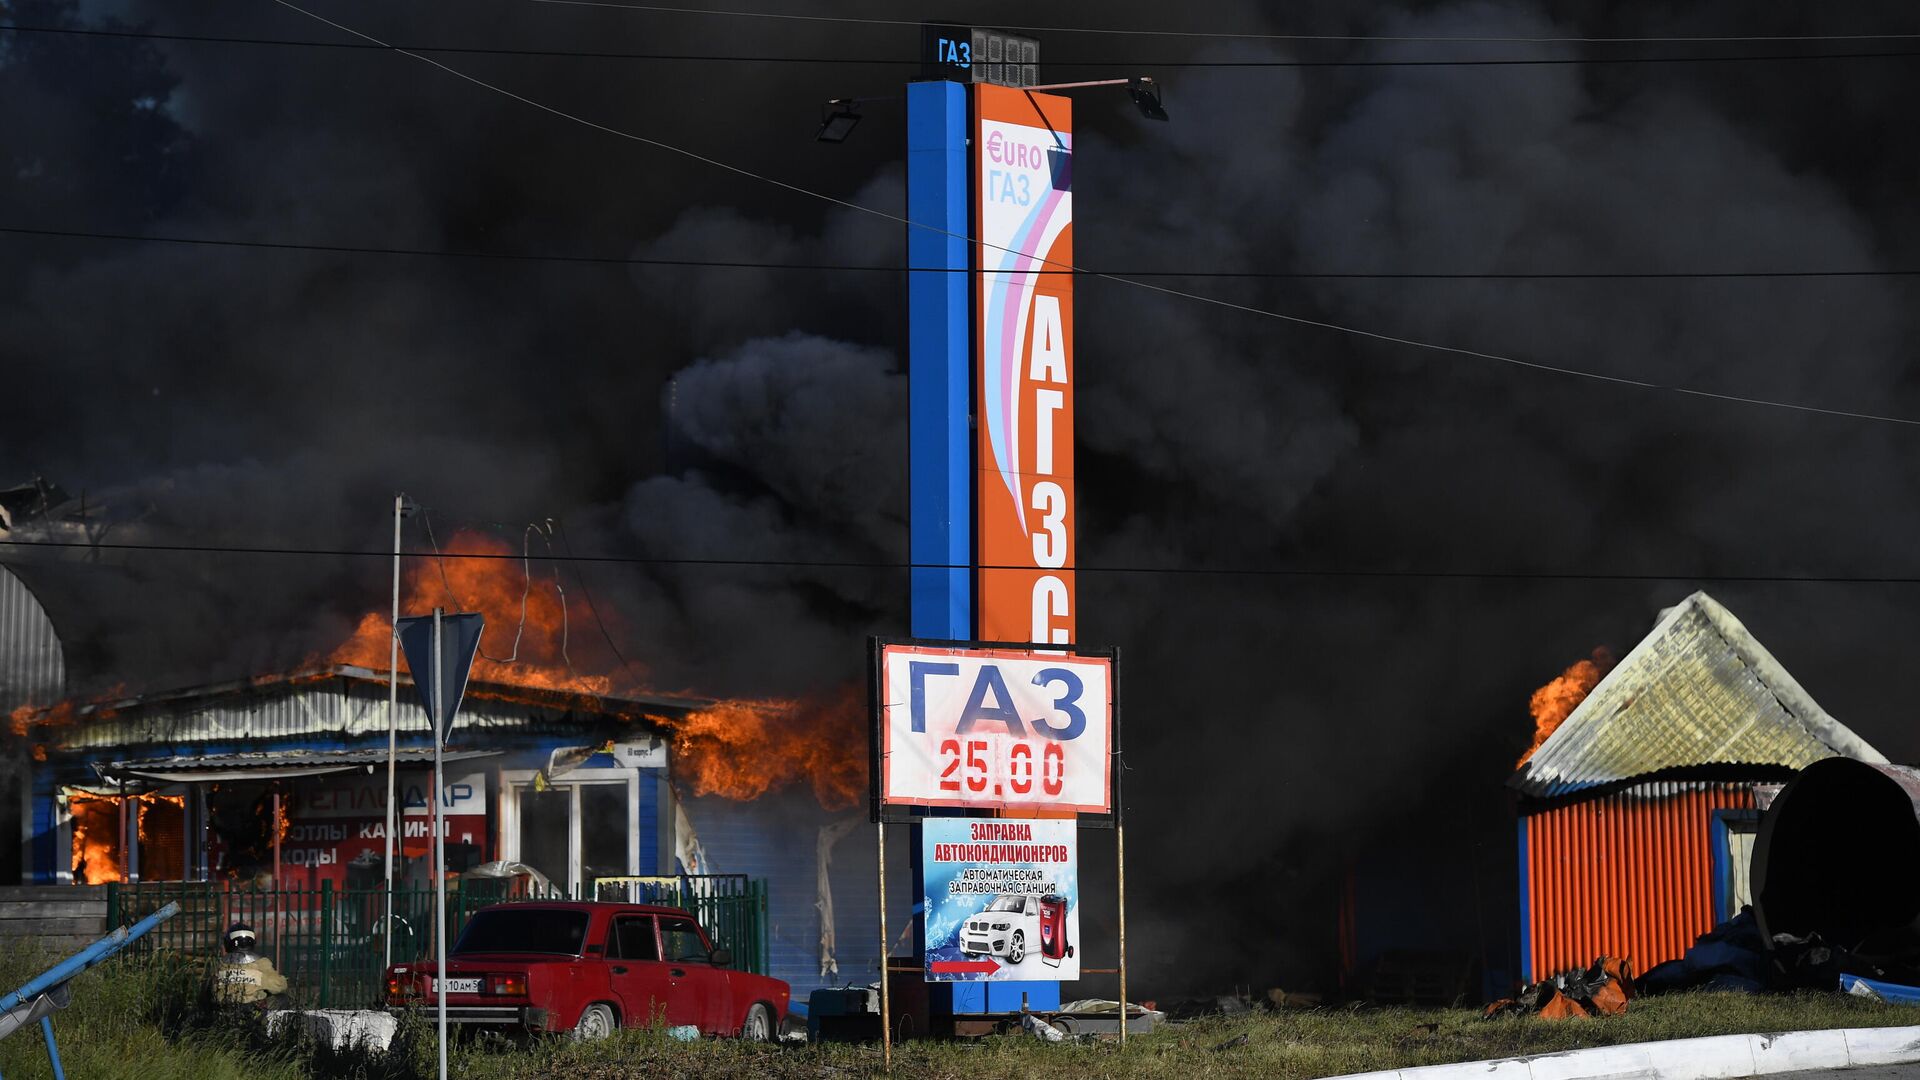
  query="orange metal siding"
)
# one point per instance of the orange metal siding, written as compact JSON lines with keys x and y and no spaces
{"x":1628,"y":874}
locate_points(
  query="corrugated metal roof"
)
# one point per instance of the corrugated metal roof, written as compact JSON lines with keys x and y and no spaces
{"x":340,"y":702}
{"x":1699,"y":690}
{"x":33,"y":669}
{"x":269,"y":764}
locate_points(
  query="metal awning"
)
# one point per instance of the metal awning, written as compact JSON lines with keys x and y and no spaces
{"x":268,"y":765}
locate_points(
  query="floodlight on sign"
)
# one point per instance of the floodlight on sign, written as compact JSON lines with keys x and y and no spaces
{"x":1146,"y":97}
{"x":838,"y":118}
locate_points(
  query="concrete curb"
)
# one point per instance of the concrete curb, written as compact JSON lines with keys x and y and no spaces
{"x":1717,"y":1057}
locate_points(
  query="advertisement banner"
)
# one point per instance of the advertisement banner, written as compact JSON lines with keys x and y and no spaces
{"x":336,"y":828}
{"x":1003,"y":899}
{"x":1025,"y":519}
{"x":995,"y":729}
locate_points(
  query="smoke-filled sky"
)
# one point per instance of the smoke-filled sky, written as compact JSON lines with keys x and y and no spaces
{"x":276,"y":398}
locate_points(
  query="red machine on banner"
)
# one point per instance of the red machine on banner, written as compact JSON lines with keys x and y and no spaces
{"x":1054,"y":946}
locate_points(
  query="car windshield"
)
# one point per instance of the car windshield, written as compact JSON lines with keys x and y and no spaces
{"x":524,"y":930}
{"x":1007,"y":903}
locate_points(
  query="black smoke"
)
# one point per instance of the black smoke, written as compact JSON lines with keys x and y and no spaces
{"x":1285,"y":731}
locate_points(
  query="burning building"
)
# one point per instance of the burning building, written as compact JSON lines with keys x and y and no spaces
{"x":280,"y":780}
{"x":1640,"y":799}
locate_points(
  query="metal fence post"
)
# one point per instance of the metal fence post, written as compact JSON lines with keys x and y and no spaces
{"x":326,"y":939}
{"x":113,"y":907}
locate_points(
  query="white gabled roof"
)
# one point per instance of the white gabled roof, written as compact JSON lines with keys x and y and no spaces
{"x":1698,"y":690}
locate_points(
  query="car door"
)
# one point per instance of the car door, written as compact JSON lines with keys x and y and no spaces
{"x":700,"y":991}
{"x":633,"y":967}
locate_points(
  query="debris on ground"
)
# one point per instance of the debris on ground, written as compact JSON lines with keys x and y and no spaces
{"x":1603,"y":989}
{"x":340,"y":1029}
{"x":1101,"y":1016}
{"x":1040,"y":1029}
{"x":1876,"y":990}
{"x":1236,"y":1041}
{"x":1731,"y":956}
{"x":1736,"y":956}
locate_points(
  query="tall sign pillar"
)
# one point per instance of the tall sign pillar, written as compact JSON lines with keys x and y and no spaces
{"x":990,"y":369}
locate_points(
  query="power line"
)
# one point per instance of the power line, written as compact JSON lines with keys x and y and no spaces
{"x":730,"y":58}
{"x":1297,"y":320}
{"x":748,"y":264}
{"x":660,"y":9}
{"x":903,"y":565}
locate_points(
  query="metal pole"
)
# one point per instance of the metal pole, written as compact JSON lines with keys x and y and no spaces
{"x":126,"y":864}
{"x":439,"y":849}
{"x":1120,"y":861}
{"x":886,"y":962}
{"x":53,"y":1049}
{"x":393,"y":692}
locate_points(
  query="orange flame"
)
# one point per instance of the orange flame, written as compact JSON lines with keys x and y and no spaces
{"x":535,"y":652}
{"x":96,"y":839}
{"x":736,"y":749}
{"x":1554,"y":702}
{"x":96,"y":832}
{"x":21,"y":719}
{"x":744,"y":749}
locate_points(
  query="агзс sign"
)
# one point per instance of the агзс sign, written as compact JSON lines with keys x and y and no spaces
{"x":995,"y":729}
{"x":1024,"y":498}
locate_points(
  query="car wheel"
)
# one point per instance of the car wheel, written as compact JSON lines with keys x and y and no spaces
{"x":596,"y":1023}
{"x":759,"y":1025}
{"x":1017,"y":948}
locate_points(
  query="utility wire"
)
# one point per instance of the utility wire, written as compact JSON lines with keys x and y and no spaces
{"x":660,"y":9}
{"x":587,"y":591}
{"x":747,"y":264}
{"x":730,"y":58}
{"x":1297,"y":320}
{"x":899,"y":565}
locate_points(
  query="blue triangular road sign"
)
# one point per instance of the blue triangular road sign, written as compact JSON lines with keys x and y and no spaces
{"x":459,"y":640}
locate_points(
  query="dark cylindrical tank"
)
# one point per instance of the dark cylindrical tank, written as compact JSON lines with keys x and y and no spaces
{"x":1839,"y":853}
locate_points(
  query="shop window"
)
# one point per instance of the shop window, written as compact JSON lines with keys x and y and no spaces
{"x":157,"y":824}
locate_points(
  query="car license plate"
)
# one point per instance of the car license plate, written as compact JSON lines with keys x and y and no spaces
{"x":459,"y":986}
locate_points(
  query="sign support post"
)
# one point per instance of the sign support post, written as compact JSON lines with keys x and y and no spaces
{"x":886,"y":963}
{"x":439,"y":849}
{"x":425,"y":640}
{"x":393,"y":727}
{"x":1120,"y":870}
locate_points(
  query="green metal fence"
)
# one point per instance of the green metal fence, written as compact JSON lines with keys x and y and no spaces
{"x":329,"y":942}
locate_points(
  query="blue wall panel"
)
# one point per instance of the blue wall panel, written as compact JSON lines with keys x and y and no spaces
{"x":939,"y":362}
{"x":778,"y":839}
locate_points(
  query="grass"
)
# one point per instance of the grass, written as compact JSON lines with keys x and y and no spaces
{"x":141,"y":1020}
{"x":1278,"y":1046}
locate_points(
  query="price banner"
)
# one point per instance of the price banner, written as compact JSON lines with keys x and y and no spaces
{"x":995,"y":728}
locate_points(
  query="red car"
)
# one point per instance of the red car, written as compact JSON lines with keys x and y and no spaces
{"x":588,"y":968}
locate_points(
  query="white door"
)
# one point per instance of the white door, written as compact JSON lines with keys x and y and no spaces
{"x":578,"y":829}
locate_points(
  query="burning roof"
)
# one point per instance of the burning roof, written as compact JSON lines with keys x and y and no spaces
{"x":339,"y":700}
{"x":534,"y":675}
{"x":1699,"y":690}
